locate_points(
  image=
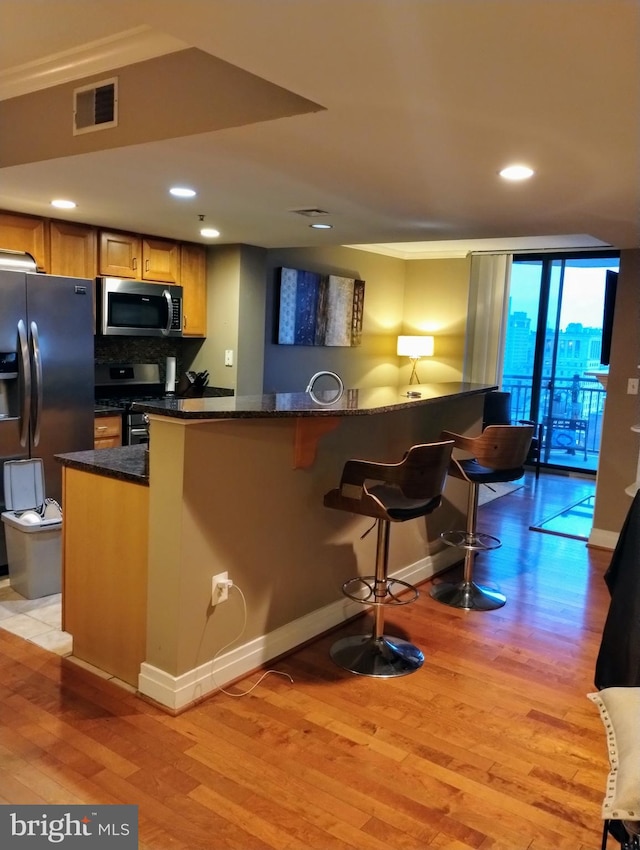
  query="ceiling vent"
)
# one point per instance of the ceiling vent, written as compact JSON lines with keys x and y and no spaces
{"x":95,"y":107}
{"x":310,"y":213}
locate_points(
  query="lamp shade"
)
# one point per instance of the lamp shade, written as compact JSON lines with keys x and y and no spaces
{"x":415,"y":346}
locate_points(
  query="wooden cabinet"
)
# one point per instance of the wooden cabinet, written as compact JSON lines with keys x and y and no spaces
{"x":73,"y":249}
{"x":160,"y":260}
{"x":26,"y":233}
{"x":119,"y":254}
{"x":82,"y":250}
{"x":107,"y":432}
{"x":193,"y":277}
{"x":139,"y":257}
{"x":104,"y":566}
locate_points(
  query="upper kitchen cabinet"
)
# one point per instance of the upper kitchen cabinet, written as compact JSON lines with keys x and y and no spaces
{"x":160,"y":260}
{"x":140,"y":257}
{"x":120,"y":254}
{"x":193,"y":277}
{"x":25,"y":233}
{"x":74,"y":249}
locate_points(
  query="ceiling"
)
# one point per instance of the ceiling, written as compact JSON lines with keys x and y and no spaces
{"x":393,"y":117}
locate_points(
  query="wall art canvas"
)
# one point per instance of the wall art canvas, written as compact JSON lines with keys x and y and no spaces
{"x":319,"y":309}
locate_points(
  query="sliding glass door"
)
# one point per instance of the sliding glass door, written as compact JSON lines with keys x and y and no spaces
{"x":556,"y":351}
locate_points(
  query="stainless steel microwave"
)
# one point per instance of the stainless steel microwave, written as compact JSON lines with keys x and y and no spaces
{"x":137,"y":308}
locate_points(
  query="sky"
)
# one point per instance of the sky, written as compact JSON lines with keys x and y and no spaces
{"x":583,"y":292}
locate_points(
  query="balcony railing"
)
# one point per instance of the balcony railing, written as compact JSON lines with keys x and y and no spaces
{"x":571,"y":413}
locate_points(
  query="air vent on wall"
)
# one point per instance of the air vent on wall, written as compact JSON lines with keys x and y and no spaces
{"x":95,"y":107}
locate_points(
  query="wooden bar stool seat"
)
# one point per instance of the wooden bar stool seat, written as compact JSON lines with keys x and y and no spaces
{"x":498,"y":455}
{"x":388,"y":492}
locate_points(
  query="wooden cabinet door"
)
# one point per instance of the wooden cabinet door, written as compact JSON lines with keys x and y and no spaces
{"x":107,"y":432}
{"x":160,"y":260}
{"x":104,"y":565}
{"x":119,"y":254}
{"x":193,"y":277}
{"x":26,"y":233}
{"x":74,"y":249}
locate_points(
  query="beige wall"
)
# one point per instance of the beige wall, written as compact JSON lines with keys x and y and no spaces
{"x":223,"y":300}
{"x":400,"y":297}
{"x":620,"y":446}
{"x":372,"y":363}
{"x":435,"y":302}
{"x":251,"y":322}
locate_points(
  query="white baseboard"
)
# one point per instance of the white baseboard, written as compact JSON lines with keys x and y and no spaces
{"x":177,"y":692}
{"x":603,"y":539}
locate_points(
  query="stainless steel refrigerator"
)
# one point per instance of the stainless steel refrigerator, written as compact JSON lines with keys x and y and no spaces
{"x":46,"y":371}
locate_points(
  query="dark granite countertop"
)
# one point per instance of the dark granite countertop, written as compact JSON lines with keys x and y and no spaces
{"x":128,"y":463}
{"x":352,"y":402}
{"x":107,"y":410}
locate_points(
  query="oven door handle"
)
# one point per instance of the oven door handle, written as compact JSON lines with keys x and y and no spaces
{"x":139,"y":432}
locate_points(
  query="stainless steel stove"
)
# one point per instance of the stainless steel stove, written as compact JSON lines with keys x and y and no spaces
{"x":118,"y":385}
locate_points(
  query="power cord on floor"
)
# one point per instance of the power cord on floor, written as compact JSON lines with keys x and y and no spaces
{"x":233,"y":640}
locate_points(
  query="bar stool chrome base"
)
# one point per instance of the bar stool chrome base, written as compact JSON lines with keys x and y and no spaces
{"x":477,"y":541}
{"x":384,"y":657}
{"x":468,"y":595}
{"x":373,"y":591}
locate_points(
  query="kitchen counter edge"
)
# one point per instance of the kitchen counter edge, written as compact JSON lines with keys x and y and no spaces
{"x":126,"y":463}
{"x":131,"y":463}
{"x":351,"y":402}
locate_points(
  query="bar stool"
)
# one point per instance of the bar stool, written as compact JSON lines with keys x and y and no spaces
{"x":389,"y":492}
{"x":498,"y":455}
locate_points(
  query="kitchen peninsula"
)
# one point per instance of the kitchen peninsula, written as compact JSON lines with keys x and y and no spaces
{"x":236,"y":485}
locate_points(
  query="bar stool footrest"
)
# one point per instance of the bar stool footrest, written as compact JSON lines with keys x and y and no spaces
{"x":383,"y":657}
{"x":468,"y":595}
{"x":363,"y":589}
{"x":476,"y":541}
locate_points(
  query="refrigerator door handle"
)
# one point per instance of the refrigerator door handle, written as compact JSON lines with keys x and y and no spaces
{"x":26,"y":383}
{"x":37,"y":369}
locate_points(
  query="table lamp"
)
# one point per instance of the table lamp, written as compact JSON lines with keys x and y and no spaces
{"x":415,"y":347}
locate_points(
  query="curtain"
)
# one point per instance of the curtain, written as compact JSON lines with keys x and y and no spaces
{"x":487,"y":318}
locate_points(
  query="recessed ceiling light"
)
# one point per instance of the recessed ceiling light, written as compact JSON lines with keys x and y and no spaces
{"x":61,"y":204}
{"x":516,"y":172}
{"x":182,"y":192}
{"x":209,"y":232}
{"x":320,"y":226}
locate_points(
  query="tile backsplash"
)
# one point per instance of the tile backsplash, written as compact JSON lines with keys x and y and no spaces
{"x":139,"y":349}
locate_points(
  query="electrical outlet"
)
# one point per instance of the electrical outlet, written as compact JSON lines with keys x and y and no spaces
{"x":228,"y":357}
{"x":219,"y":588}
{"x":632,"y":386}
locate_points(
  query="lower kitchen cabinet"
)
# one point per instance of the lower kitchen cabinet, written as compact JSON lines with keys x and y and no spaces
{"x":104,"y":571}
{"x":107,"y":432}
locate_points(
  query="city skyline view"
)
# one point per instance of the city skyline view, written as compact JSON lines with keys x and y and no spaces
{"x":552,"y":379}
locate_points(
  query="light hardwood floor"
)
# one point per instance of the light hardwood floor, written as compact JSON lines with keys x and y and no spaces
{"x":491,"y":744}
